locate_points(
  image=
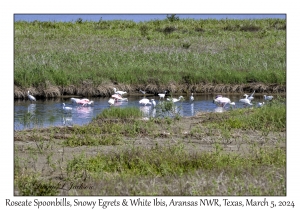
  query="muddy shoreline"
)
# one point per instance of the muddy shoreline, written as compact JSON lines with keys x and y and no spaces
{"x":91,"y":90}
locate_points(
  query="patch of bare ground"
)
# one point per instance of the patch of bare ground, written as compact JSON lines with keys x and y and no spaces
{"x":87,"y":88}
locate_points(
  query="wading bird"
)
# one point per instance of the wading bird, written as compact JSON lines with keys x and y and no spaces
{"x":246,"y":102}
{"x":260,"y":104}
{"x":144,"y":101}
{"x":118,"y":97}
{"x":66,"y":109}
{"x":119,"y":92}
{"x":83,"y":102}
{"x":162,"y":95}
{"x":249,"y":97}
{"x":111,"y":101}
{"x":175,"y":99}
{"x":31,"y":98}
{"x":192,"y":98}
{"x":268,"y":98}
{"x":223,"y":101}
{"x":153,"y":102}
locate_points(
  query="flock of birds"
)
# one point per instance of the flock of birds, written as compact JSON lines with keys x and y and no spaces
{"x":247,"y":101}
{"x":118,"y":97}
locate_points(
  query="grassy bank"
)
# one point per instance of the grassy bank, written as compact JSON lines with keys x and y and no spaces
{"x":89,"y":58}
{"x":239,"y":152}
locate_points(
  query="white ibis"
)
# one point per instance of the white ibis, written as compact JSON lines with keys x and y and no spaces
{"x":175,"y":99}
{"x":246,"y":102}
{"x":260,"y":104}
{"x":268,"y":98}
{"x":249,"y":97}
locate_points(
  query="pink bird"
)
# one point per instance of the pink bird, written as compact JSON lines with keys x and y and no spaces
{"x":118,"y":97}
{"x":222,"y":101}
{"x":82,"y":102}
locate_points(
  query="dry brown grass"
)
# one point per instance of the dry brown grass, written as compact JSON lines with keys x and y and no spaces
{"x":89,"y":89}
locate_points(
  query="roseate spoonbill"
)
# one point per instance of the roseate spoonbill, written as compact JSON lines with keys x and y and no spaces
{"x":144,"y":101}
{"x":31,"y":98}
{"x":66,"y":109}
{"x":175,"y":99}
{"x":223,"y":101}
{"x":246,"y":102}
{"x":192,"y":98}
{"x":111,"y":101}
{"x":260,"y":104}
{"x":119,"y":92}
{"x":83,"y":102}
{"x":162,"y":95}
{"x":249,"y":97}
{"x":74,"y":100}
{"x":153,"y":102}
{"x":268,"y":98}
{"x":118,"y":97}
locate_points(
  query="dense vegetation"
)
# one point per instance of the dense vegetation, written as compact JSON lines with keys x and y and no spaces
{"x":153,"y":53}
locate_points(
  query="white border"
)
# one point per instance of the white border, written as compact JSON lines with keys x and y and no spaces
{"x":8,"y":8}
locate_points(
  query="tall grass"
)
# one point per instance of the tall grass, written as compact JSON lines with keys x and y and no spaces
{"x":156,"y":52}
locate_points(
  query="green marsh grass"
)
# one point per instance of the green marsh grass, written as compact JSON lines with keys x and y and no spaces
{"x":271,"y":117}
{"x":174,"y":162}
{"x":157,"y":52}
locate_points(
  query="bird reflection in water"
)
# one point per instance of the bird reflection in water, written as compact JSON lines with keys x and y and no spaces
{"x":31,"y":109}
{"x":192,"y":109}
{"x":85,"y":112}
{"x":148,"y":111}
{"x":67,"y":121}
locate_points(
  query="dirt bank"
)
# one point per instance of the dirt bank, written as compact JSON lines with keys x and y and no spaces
{"x":91,"y":90}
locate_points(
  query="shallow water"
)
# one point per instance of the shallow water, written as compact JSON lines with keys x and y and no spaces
{"x":45,"y":113}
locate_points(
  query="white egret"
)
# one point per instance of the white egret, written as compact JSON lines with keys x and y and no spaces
{"x":162,"y":95}
{"x":175,"y":99}
{"x":268,"y":98}
{"x":31,"y":98}
{"x":192,"y":98}
{"x":119,"y":92}
{"x":145,"y":101}
{"x":153,"y":102}
{"x":66,"y":109}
